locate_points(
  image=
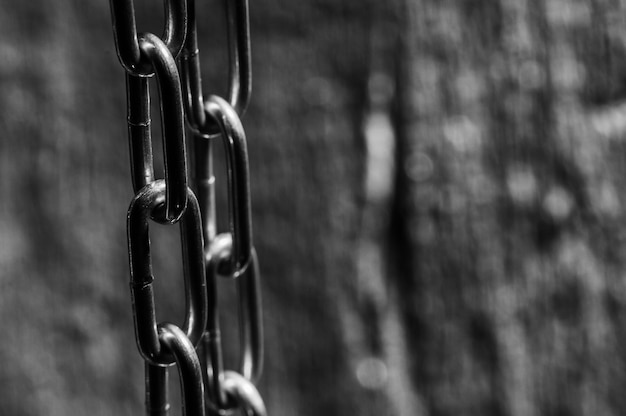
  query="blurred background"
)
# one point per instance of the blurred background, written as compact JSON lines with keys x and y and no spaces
{"x":437,"y":194}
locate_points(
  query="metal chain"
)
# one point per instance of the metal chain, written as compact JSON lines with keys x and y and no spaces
{"x":195,"y":346}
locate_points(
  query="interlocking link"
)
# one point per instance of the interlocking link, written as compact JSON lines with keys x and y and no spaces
{"x":245,"y":395}
{"x":240,"y":217}
{"x":127,"y":39}
{"x":145,"y":202}
{"x":250,"y":323}
{"x":239,"y":69}
{"x":172,"y":121}
{"x":174,"y":340}
{"x":230,"y":254}
{"x":195,"y":347}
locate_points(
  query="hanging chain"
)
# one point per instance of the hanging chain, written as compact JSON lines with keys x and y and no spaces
{"x":195,"y":346}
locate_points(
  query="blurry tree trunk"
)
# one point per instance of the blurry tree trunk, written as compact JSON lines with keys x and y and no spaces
{"x":507,"y":236}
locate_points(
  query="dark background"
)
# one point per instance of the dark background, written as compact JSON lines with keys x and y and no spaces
{"x":438,"y":207}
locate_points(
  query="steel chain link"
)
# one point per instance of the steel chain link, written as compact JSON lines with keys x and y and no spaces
{"x":195,"y":346}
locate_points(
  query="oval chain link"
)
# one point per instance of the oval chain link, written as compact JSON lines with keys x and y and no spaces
{"x":240,"y":216}
{"x":143,"y":204}
{"x":173,"y":126}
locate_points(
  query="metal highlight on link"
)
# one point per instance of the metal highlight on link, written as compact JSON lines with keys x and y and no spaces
{"x":250,"y":322}
{"x":139,"y":131}
{"x":244,"y":393}
{"x":144,"y":313}
{"x":127,"y":39}
{"x":173,"y":126}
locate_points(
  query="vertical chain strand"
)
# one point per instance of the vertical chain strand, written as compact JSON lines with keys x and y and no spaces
{"x":228,"y":254}
{"x":195,"y":347}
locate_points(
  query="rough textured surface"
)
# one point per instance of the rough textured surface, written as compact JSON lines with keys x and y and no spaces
{"x":436,"y":194}
{"x":511,"y":117}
